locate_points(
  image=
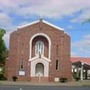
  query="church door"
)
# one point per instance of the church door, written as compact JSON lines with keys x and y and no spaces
{"x":39,"y":70}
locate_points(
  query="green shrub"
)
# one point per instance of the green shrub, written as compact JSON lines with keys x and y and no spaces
{"x":77,"y":78}
{"x":14,"y":78}
{"x":63,"y":79}
{"x":2,"y":77}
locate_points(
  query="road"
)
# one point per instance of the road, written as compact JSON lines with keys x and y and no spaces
{"x":42,"y":88}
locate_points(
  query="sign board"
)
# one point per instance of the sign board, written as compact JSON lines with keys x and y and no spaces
{"x":22,"y":73}
{"x":56,"y":79}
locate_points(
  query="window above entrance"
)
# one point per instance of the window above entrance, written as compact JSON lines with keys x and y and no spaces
{"x":39,"y":48}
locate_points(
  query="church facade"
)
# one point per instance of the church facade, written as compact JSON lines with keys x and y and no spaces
{"x":39,"y":52}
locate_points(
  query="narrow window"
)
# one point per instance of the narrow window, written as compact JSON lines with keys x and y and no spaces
{"x":39,"y":48}
{"x":57,"y":64}
{"x":21,"y":65}
{"x":57,"y":50}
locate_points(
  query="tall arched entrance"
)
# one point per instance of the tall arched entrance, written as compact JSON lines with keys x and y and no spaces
{"x":40,"y":46}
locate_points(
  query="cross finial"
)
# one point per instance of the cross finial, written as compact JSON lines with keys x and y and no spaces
{"x":41,"y":18}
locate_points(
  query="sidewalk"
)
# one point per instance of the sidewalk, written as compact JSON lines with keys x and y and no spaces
{"x":73,"y":83}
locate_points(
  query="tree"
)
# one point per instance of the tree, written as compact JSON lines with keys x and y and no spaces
{"x":3,"y":49}
{"x":86,"y":21}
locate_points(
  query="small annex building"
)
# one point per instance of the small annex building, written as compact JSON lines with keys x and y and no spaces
{"x":81,"y":67}
{"x":39,"y":52}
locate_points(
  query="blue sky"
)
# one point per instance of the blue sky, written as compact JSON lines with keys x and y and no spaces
{"x":67,"y":14}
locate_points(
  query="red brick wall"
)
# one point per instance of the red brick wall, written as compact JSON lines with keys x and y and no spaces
{"x":20,"y":49}
{"x":39,"y":79}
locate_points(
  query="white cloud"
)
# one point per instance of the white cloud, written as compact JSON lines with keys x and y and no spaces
{"x":47,"y":8}
{"x":54,"y":9}
{"x":6,"y":38}
{"x":6,"y":23}
{"x":87,"y":36}
{"x":70,"y":27}
{"x":85,"y":15}
{"x":4,"y":20}
{"x":74,"y":54}
{"x":83,"y":46}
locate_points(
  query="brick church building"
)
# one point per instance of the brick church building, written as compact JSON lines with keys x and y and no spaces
{"x":39,"y":52}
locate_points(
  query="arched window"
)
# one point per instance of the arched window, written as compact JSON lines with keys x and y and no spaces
{"x":39,"y":48}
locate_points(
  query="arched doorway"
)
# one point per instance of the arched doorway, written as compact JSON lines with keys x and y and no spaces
{"x":39,"y":70}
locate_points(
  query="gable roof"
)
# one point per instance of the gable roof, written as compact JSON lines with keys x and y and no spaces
{"x":37,"y":21}
{"x":80,"y":59}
